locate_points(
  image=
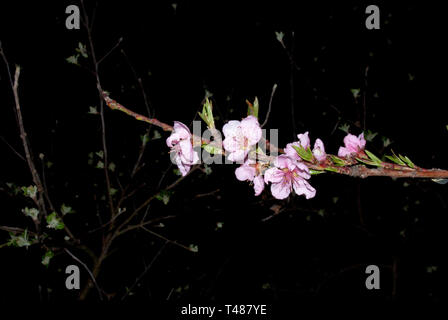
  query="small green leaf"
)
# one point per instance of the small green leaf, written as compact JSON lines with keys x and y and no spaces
{"x":66,"y":209}
{"x":355,"y":93}
{"x":30,"y":191}
{"x":194,"y":248}
{"x":177,"y":172}
{"x":440,"y":181}
{"x":156,"y":135}
{"x":19,"y":241}
{"x":93,"y":110}
{"x":100,"y":154}
{"x":369,"y":135}
{"x":47,"y":257}
{"x":337,"y":161}
{"x":33,"y":213}
{"x":82,"y":50}
{"x":373,"y":157}
{"x":345,"y":127}
{"x":208,"y":170}
{"x":145,"y":139}
{"x":279,"y":36}
{"x":164,"y":196}
{"x":314,"y":172}
{"x":211,"y":149}
{"x":252,"y":109}
{"x":112,"y":166}
{"x":100,"y":165}
{"x":73,"y":59}
{"x":331,"y":169}
{"x":369,"y":162}
{"x":395,"y":159}
{"x":53,"y":222}
{"x":113,"y":191}
{"x":306,"y":155}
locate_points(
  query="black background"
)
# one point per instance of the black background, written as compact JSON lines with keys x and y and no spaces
{"x":230,"y":49}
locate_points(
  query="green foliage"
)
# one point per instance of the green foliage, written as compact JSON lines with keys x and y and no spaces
{"x":30,"y":191}
{"x":33,"y":213}
{"x":374,"y":158}
{"x":66,"y":209}
{"x":207,"y":114}
{"x":53,"y":222}
{"x":164,"y":196}
{"x":345,"y":127}
{"x":337,"y":161}
{"x":20,"y":240}
{"x":369,"y":135}
{"x":314,"y":172}
{"x":355,"y":93}
{"x":305,"y":154}
{"x":47,"y":257}
{"x":252,"y":109}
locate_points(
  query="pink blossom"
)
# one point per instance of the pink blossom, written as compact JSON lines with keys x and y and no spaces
{"x":240,"y":136}
{"x":288,"y":174}
{"x":353,"y":144}
{"x":319,"y":151}
{"x":304,"y":141}
{"x":182,"y":148}
{"x":248,"y":172}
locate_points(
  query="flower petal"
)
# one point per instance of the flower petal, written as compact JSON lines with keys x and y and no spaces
{"x":258,"y":185}
{"x":251,"y":130}
{"x":319,"y":151}
{"x":343,"y":152}
{"x":232,"y":128}
{"x":303,"y":187}
{"x":281,"y":190}
{"x":273,"y":175}
{"x":291,"y":152}
{"x":304,"y":139}
{"x":244,"y":173}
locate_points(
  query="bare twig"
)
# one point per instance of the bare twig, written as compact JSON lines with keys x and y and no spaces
{"x":147,"y":268}
{"x":88,"y":270}
{"x":270,"y":104}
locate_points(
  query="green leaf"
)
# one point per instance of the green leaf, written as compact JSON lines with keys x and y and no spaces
{"x":82,"y":50}
{"x":337,"y":161}
{"x":345,"y":127}
{"x":331,"y":169}
{"x":30,"y":191}
{"x":279,"y":36}
{"x":164,"y":196}
{"x":368,"y":162}
{"x":408,"y":161}
{"x":252,"y":109}
{"x":113,"y":191}
{"x":395,"y":159}
{"x":306,"y":155}
{"x":112,"y":166}
{"x":314,"y":172}
{"x":100,"y":165}
{"x":145,"y":139}
{"x":373,"y":157}
{"x":369,"y":135}
{"x":207,"y":114}
{"x":47,"y":257}
{"x":66,"y":209}
{"x":19,"y":241}
{"x":208,"y":170}
{"x":53,"y":222}
{"x":440,"y":181}
{"x":211,"y":149}
{"x":355,"y":93}
{"x":93,"y":110}
{"x":33,"y":213}
{"x":73,"y":59}
{"x":100,"y":154}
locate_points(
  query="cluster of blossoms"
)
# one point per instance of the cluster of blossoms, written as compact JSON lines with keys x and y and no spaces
{"x":286,"y":172}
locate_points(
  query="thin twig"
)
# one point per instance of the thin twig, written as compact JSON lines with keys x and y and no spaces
{"x":140,"y":277}
{"x":270,"y":104}
{"x":88,"y":270}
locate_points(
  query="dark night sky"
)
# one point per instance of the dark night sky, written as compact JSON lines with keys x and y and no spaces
{"x":231,"y":50}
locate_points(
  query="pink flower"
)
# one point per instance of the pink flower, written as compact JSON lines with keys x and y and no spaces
{"x":288,"y":174}
{"x":240,"y":136}
{"x":353,"y":144}
{"x":182,"y":148}
{"x":304,"y":141}
{"x":248,"y":172}
{"x":319,"y":151}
